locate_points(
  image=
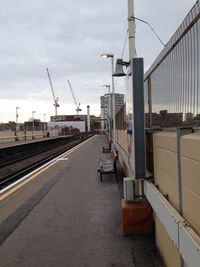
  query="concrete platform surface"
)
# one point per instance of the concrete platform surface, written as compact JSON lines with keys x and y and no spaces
{"x":75,"y":221}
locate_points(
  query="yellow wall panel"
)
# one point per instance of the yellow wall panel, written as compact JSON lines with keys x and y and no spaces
{"x":168,"y":185}
{"x":166,"y":176}
{"x":191,"y":175}
{"x":166,"y":140}
{"x":166,"y":160}
{"x":191,"y":208}
{"x":190,"y":146}
{"x":168,"y":251}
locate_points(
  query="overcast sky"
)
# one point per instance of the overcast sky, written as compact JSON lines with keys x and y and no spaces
{"x":68,"y":37}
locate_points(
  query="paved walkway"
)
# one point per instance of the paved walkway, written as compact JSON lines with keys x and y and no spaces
{"x":76,"y":222}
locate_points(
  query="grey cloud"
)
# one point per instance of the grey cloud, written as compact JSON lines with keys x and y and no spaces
{"x":68,"y":38}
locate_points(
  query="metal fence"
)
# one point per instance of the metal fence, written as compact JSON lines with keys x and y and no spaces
{"x":172,"y":93}
{"x":121,"y":118}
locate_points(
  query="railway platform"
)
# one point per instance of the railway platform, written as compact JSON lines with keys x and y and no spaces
{"x":64,"y":216}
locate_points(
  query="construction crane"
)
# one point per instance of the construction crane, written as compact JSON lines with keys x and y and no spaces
{"x":75,"y":101}
{"x":54,"y":98}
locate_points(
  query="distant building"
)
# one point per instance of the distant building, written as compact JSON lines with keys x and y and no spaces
{"x":197,"y":119}
{"x":164,"y":119}
{"x":60,"y":118}
{"x":104,"y":102}
{"x":11,"y":126}
{"x":80,"y":125}
{"x":170,"y":119}
{"x":38,"y":125}
{"x":189,"y":118}
{"x":94,"y":121}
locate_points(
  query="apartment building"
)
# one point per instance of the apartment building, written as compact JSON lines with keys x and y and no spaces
{"x":104,"y":102}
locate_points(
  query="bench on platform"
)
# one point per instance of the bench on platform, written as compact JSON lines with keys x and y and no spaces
{"x":108,"y":163}
{"x":107,"y":148}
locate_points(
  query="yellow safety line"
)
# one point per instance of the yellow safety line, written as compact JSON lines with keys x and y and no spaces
{"x":24,"y":182}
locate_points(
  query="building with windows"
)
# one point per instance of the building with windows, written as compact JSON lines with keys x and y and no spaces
{"x":60,"y":120}
{"x":104,"y":102}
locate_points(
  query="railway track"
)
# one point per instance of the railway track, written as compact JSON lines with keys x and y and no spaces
{"x":17,"y":168}
{"x":9,"y":158}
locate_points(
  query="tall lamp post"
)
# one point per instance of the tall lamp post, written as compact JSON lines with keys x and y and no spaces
{"x":111,"y":56}
{"x":44,"y":125}
{"x":102,"y":119}
{"x":109,"y":108}
{"x":33,"y":137}
{"x":16,"y":127}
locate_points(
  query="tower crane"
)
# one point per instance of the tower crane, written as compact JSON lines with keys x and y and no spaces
{"x":75,"y":101}
{"x":54,"y":98}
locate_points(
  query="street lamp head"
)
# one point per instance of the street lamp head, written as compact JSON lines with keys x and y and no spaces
{"x":107,"y":55}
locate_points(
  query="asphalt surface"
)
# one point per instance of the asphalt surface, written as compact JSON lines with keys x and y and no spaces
{"x":74,"y":220}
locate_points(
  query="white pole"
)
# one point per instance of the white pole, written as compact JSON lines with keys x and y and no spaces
{"x":109,"y":102}
{"x":44,"y":126}
{"x":33,"y":126}
{"x":88,"y":118}
{"x":131,"y":28}
{"x":113,"y":98}
{"x":132,"y":54}
{"x":109,"y":114}
{"x":102,"y":119}
{"x":16,"y":128}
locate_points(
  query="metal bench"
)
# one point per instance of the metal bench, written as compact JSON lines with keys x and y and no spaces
{"x":108,"y":164}
{"x":107,"y":148}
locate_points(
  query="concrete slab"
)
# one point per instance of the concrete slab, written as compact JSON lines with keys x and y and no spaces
{"x":76,"y":221}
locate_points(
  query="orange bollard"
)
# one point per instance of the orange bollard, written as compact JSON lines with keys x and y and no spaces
{"x":136,"y":217}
